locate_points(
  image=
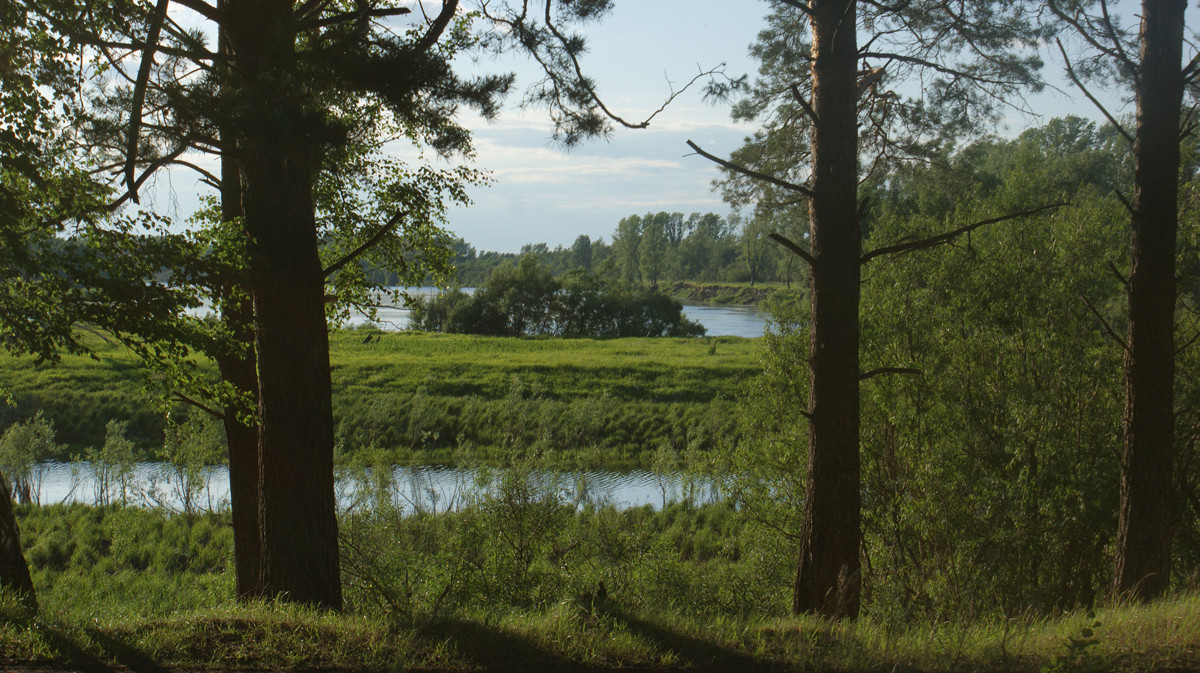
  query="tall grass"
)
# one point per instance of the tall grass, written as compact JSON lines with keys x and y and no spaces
{"x":563,"y":588}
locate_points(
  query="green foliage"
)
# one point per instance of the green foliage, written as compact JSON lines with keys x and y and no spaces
{"x":1079,"y":657}
{"x":192,"y":444}
{"x":525,"y":299}
{"x":23,"y":447}
{"x":113,"y":466}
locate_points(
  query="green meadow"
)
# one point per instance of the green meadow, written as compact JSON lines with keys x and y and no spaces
{"x":428,"y":398}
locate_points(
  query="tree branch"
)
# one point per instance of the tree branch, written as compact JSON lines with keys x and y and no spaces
{"x":199,"y":405}
{"x":942,"y":239}
{"x":1188,"y":344}
{"x":207,"y":11}
{"x":375,"y":238}
{"x":796,"y":249}
{"x":751,"y":173}
{"x":802,"y":6}
{"x":1124,"y":201}
{"x":563,"y":41}
{"x":139,"y":94}
{"x":888,"y":370}
{"x":1117,"y":272}
{"x":1107,"y":328}
{"x":808,"y":109}
{"x":438,"y":26}
{"x":1075,"y":79}
{"x":358,"y":15}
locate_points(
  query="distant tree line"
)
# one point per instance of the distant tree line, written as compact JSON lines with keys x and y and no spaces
{"x":650,"y":249}
{"x":525,"y":298}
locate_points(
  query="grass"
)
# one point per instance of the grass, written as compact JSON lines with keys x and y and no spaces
{"x":265,"y":636}
{"x":424,"y":397}
{"x":146,"y":589}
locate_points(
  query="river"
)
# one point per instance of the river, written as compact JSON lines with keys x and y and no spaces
{"x":421,"y":488}
{"x":718,"y":320}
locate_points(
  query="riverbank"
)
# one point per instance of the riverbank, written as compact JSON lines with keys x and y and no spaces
{"x":739,"y":294}
{"x":437,"y":398}
{"x":687,"y":588}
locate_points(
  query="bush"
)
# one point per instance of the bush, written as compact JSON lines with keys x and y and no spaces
{"x":524,"y":299}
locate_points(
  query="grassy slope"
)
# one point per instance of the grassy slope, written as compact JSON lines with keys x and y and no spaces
{"x":418,"y":393}
{"x":144,"y":590}
{"x":1163,"y":636}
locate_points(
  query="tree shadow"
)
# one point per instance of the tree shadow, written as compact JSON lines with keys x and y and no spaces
{"x":491,"y":649}
{"x":694,"y":653}
{"x":128,"y":657}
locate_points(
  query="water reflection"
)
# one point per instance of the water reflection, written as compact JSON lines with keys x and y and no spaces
{"x":743,"y":321}
{"x":411,"y":489}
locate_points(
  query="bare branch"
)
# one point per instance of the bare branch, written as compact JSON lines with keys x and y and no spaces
{"x":808,"y":108}
{"x":1071,"y":73}
{"x":1191,"y":70}
{"x":1107,"y":328}
{"x":802,"y":6}
{"x":596,"y":97}
{"x":438,"y":26}
{"x":1117,"y":272}
{"x":139,"y":94}
{"x":1188,"y":344}
{"x":942,"y":239}
{"x":199,"y":405}
{"x":1124,"y":201}
{"x":1116,"y":42}
{"x":888,"y":370}
{"x":796,"y":249}
{"x":750,"y":172}
{"x":154,"y":166}
{"x":203,"y":9}
{"x":367,"y":245}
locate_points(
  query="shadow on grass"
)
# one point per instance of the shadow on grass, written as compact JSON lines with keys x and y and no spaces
{"x":127,"y":656}
{"x":694,"y":654}
{"x":498,"y":651}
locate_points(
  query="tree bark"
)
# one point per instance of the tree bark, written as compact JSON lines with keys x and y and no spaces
{"x":240,"y":370}
{"x":828,"y":573}
{"x":1146,"y":522}
{"x":279,"y":149}
{"x":14,"y":571}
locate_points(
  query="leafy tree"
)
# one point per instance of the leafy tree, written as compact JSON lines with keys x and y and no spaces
{"x":625,"y":243}
{"x":526,"y":299}
{"x":581,"y":253}
{"x":23,"y":446}
{"x":653,"y":247}
{"x":113,"y":466}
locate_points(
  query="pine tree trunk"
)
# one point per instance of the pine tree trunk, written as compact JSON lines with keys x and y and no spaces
{"x":296,"y":489}
{"x":14,"y":571}
{"x":1146,"y":525}
{"x":828,"y":575}
{"x":240,"y":370}
{"x":279,"y":153}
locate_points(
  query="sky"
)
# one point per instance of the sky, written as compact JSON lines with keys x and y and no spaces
{"x":638,"y":55}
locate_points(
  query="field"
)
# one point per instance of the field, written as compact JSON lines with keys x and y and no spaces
{"x":430,"y":397}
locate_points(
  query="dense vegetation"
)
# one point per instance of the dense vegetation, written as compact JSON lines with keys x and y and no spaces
{"x":525,"y":299}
